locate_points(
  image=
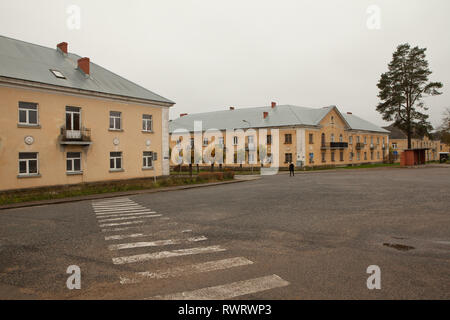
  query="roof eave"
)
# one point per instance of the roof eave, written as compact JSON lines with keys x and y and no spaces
{"x":45,"y":86}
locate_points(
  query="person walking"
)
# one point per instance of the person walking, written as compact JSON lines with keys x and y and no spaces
{"x":291,"y":169}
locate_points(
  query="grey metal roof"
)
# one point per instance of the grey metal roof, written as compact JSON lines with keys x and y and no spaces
{"x":282,"y":115}
{"x":27,"y":61}
{"x":357,"y":123}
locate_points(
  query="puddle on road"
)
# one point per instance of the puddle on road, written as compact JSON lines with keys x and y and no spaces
{"x":397,"y":246}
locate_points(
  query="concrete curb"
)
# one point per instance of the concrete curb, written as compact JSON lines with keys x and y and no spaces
{"x":114,"y":195}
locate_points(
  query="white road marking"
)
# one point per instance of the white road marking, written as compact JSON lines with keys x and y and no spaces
{"x":166,"y":254}
{"x":120,"y":224}
{"x":112,"y":201}
{"x":120,"y":209}
{"x":131,"y":218}
{"x":228,"y":291}
{"x":157,"y":243}
{"x":124,"y":236}
{"x":186,"y":231}
{"x":117,"y":212}
{"x":143,"y":213}
{"x":115,"y":206}
{"x":187,"y":270}
{"x":138,"y":227}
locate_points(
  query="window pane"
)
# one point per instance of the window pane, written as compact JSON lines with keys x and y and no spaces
{"x":111,"y":123}
{"x":22,"y":116}
{"x":73,"y":155}
{"x":27,"y":155}
{"x":28,"y":105}
{"x":32,"y":164}
{"x":145,"y":162}
{"x":76,"y":121}
{"x":68,"y":121}
{"x":118,"y":163}
{"x":77,"y":164}
{"x":69,"y":165}
{"x":111,"y":163}
{"x":117,"y":123}
{"x":22,"y":167}
{"x":32,"y":114}
{"x":144,"y":126}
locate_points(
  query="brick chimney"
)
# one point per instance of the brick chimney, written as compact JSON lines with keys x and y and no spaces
{"x":265,"y":114}
{"x":62,"y":47}
{"x":231,"y":108}
{"x":183,"y":114}
{"x":349,"y":113}
{"x":84,"y":65}
{"x":274,"y":104}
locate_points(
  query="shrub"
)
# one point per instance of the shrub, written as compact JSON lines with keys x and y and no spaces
{"x":228,"y":174}
{"x":206,"y":176}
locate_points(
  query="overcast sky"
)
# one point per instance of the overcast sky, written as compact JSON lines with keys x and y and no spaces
{"x":208,"y":55}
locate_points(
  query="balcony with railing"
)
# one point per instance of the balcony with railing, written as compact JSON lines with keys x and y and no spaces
{"x":359,"y":145}
{"x":334,"y":145}
{"x":75,"y":137}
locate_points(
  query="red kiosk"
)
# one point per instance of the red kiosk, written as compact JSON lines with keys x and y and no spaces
{"x":413,"y":157}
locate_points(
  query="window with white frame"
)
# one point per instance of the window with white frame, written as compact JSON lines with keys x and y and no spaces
{"x":365,"y":140}
{"x":147,"y":160}
{"x":73,"y":162}
{"x":358,"y":155}
{"x":115,"y":120}
{"x":235,"y":140}
{"x":115,"y":161}
{"x":250,"y":139}
{"x":28,"y":113}
{"x":341,"y":138}
{"x":28,"y":163}
{"x":350,"y":140}
{"x":332,"y":137}
{"x":205,"y":141}
{"x":220,"y":141}
{"x":147,"y":123}
{"x":350,"y":156}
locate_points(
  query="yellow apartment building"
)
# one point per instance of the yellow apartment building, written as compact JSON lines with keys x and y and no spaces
{"x":399,"y":142}
{"x":65,"y":120}
{"x":305,"y":136}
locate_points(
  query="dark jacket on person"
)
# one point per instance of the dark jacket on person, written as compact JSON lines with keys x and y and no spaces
{"x":291,"y":167}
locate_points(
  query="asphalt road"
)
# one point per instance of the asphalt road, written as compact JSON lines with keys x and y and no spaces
{"x":307,"y":237}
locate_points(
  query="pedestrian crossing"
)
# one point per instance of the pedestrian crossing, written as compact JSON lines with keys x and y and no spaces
{"x":125,"y":225}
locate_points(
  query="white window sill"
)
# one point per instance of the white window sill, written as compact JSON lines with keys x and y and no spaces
{"x":30,"y":126}
{"x":148,"y":168}
{"x":116,"y":170}
{"x":74,"y":173}
{"x":25,"y":176}
{"x":116,"y":130}
{"x":147,"y":131}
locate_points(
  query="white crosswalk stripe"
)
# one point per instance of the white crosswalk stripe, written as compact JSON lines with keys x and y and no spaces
{"x":157,"y":243}
{"x":131,"y":218}
{"x":124,"y":236}
{"x":120,"y":212}
{"x":121,"y":224}
{"x":166,"y":254}
{"x":187,"y":270}
{"x":125,"y":214}
{"x":228,"y":291}
{"x":120,"y":209}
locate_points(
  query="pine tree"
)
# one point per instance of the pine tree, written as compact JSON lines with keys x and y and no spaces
{"x":402,"y":89}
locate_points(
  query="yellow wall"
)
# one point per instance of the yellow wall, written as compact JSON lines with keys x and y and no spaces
{"x":328,"y":127}
{"x":52,"y":155}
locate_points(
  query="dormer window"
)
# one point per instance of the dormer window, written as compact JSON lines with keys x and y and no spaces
{"x":58,"y":74}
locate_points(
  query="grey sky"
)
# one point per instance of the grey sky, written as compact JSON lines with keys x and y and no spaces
{"x":208,"y":55}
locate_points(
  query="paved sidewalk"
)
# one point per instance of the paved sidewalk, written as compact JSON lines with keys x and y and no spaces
{"x":115,"y":194}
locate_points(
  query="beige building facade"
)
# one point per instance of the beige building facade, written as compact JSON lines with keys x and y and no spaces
{"x":325,"y":137}
{"x":52,"y":135}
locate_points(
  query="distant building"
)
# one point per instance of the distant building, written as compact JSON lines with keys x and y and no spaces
{"x":307,"y":136}
{"x":399,"y":142}
{"x":65,"y":120}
